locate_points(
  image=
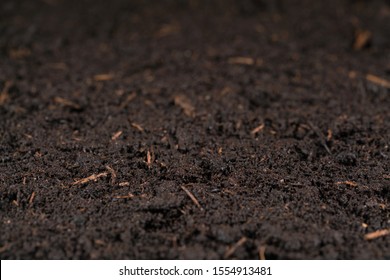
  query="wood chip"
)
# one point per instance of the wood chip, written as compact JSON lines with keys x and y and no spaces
{"x":192,"y":197}
{"x":124,"y":184}
{"x":262,"y":253}
{"x":116,"y":135}
{"x":377,"y":234}
{"x":66,"y":102}
{"x":93,"y":177}
{"x":103,"y":77}
{"x":362,"y":39}
{"x":229,"y":252}
{"x":348,"y":183}
{"x":241,"y":60}
{"x":257,"y":129}
{"x":378,"y":81}
{"x":183,"y":102}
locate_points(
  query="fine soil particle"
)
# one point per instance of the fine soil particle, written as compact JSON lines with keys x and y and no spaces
{"x":194,"y":129}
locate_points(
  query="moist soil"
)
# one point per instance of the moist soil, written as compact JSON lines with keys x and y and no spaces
{"x":194,"y":129}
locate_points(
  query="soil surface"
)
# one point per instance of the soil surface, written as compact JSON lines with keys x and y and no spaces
{"x":194,"y":129}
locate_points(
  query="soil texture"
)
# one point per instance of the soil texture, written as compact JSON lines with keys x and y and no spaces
{"x":252,"y":129}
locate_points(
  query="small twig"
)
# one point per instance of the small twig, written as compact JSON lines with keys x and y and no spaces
{"x":103,"y":77}
{"x":330,"y":135}
{"x":241,"y":60}
{"x":5,"y":248}
{"x":232,"y":249}
{"x":128,"y":99}
{"x":137,"y":126}
{"x":116,"y":135}
{"x":30,"y":201}
{"x":362,"y":39}
{"x":124,"y":196}
{"x":193,"y":198}
{"x":124,"y":184}
{"x":378,"y":81}
{"x":321,"y":136}
{"x":257,"y":129}
{"x":348,"y":183}
{"x":4,"y":93}
{"x":66,"y":102}
{"x":93,"y":177}
{"x":148,"y":159}
{"x":377,"y":234}
{"x":113,"y":174}
{"x":262,"y":252}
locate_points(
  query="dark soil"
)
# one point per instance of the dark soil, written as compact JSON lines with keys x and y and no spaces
{"x":194,"y":129}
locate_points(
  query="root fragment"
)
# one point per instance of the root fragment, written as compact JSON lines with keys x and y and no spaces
{"x":229,"y":252}
{"x":93,"y":177}
{"x":192,"y":197}
{"x":378,"y":81}
{"x":377,"y":234}
{"x":348,"y":183}
{"x":113,"y":174}
{"x":257,"y":129}
{"x":116,"y":135}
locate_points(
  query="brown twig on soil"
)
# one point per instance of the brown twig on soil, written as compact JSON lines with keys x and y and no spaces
{"x":257,"y":129}
{"x":124,"y":196}
{"x":128,"y":99}
{"x":262,"y":252}
{"x":229,"y":252}
{"x":137,"y":126}
{"x":241,"y":60}
{"x":93,"y":177}
{"x":348,"y":183}
{"x":148,"y":159}
{"x":376,"y":234}
{"x":168,"y":29}
{"x":66,"y":102}
{"x":330,"y":135}
{"x":5,"y":248}
{"x":103,"y":77}
{"x":19,"y":53}
{"x":193,"y":198}
{"x":124,"y":184}
{"x":378,"y":81}
{"x":30,"y":201}
{"x":116,"y":135}
{"x":185,"y":104}
{"x":362,"y":39}
{"x":4,"y":93}
{"x":113,"y":174}
{"x":321,"y":136}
